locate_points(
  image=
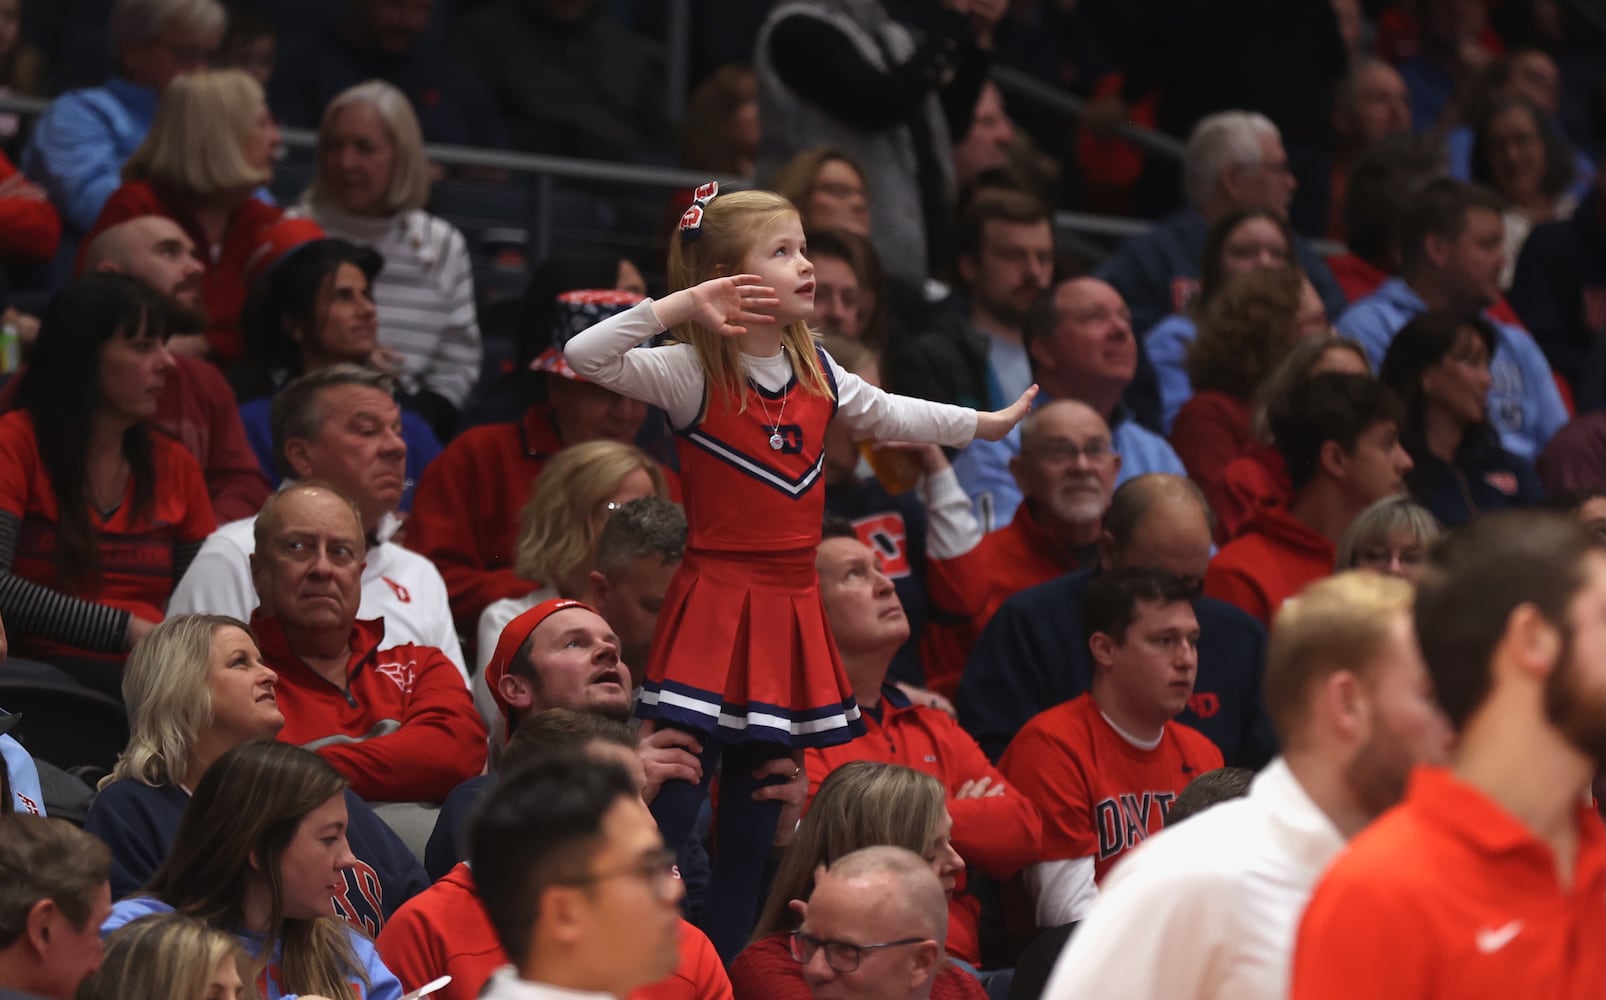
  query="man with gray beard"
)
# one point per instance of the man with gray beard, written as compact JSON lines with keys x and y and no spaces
{"x":1066,"y":471}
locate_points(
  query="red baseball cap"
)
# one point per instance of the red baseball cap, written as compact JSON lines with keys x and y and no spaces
{"x":277,"y":239}
{"x":513,"y":636}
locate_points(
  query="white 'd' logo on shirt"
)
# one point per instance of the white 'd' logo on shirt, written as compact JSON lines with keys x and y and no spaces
{"x":1492,"y":939}
{"x":402,"y":673}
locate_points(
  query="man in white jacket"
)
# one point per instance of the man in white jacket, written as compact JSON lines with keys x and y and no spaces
{"x":1209,"y":908}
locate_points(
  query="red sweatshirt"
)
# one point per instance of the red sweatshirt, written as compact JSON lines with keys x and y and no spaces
{"x":1274,"y":559}
{"x":223,"y":282}
{"x":29,"y":227}
{"x":1211,"y":430}
{"x":998,"y":835}
{"x":1007,"y":561}
{"x":1252,"y":482}
{"x":444,"y":930}
{"x":403,"y":731}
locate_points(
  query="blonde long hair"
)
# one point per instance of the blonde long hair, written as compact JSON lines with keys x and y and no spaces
{"x":730,"y":223}
{"x":164,"y":956}
{"x":555,"y":536}
{"x":197,"y":139}
{"x":164,"y":687}
{"x":861,"y":804}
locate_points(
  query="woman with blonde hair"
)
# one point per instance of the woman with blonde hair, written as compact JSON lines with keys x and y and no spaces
{"x":370,"y":188}
{"x":170,"y":958}
{"x":259,"y":854}
{"x":196,"y":688}
{"x":558,"y":532}
{"x":862,"y":804}
{"x":210,"y":149}
{"x":1391,"y":537}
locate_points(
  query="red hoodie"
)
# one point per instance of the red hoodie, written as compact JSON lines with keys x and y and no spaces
{"x":444,"y":930}
{"x":405,"y":729}
{"x":1274,"y":559}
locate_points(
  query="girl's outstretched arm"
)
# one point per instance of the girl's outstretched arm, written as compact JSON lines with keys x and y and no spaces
{"x":720,"y":305}
{"x":994,"y":426}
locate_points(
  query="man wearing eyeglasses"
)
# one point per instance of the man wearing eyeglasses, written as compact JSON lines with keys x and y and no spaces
{"x":873,"y":928}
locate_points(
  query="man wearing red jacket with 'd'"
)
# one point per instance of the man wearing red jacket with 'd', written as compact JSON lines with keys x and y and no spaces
{"x":395,"y":721}
{"x":996,"y":829}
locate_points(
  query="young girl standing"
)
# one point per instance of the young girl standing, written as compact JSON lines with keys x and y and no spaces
{"x":742,"y":657}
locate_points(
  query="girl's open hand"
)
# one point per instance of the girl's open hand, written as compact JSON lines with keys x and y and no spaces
{"x":723,"y":305}
{"x":996,"y":425}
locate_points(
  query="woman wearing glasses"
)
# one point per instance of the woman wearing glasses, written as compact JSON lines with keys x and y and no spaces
{"x":259,"y":854}
{"x":862,"y":804}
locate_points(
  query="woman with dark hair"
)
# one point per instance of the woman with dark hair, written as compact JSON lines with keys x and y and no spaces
{"x":312,"y":309}
{"x":1438,"y":365}
{"x":1520,"y":152}
{"x":1238,"y":243}
{"x":259,"y":853}
{"x":90,"y":547}
{"x":466,"y":519}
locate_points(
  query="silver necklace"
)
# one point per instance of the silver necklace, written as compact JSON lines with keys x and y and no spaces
{"x":775,"y":429}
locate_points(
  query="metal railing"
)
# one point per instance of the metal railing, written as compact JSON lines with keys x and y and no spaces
{"x":1012,"y":81}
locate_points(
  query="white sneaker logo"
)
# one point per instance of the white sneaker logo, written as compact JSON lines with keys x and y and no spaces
{"x":1492,"y":939}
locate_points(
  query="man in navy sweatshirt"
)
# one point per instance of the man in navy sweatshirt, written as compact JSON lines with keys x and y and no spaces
{"x":1032,"y":655}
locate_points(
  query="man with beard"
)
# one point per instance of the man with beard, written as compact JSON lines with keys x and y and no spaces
{"x":1066,"y":472}
{"x":197,"y":406}
{"x":1006,"y":260}
{"x":1079,"y":339}
{"x":1489,"y":880}
{"x":1209,"y":909}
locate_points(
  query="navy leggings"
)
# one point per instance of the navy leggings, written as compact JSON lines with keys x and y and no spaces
{"x":744,"y":829}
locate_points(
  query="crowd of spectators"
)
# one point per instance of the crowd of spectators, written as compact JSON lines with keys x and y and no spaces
{"x":409,"y":590}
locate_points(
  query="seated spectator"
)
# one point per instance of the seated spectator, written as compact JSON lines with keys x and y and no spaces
{"x":1033,"y":655}
{"x":383,"y":40}
{"x":99,"y":517}
{"x":30,"y":229}
{"x":80,"y":143}
{"x":168,"y":956}
{"x":1451,"y":259}
{"x":1391,"y":537}
{"x":989,"y":146}
{"x":1104,"y":767}
{"x":251,"y":44}
{"x":1066,"y":472}
{"x":1383,"y":179}
{"x":538,"y":844}
{"x":1006,"y":263}
{"x":467,"y":516}
{"x":1521,"y":154}
{"x":1529,"y":75}
{"x":393,"y":717}
{"x":1235,"y":160}
{"x":196,"y":688}
{"x":314,"y":309}
{"x":1211,"y":908}
{"x":558,"y":532}
{"x":337,"y":425}
{"x":260,"y":849}
{"x":1238,"y":242}
{"x":1243,"y":333}
{"x":918,"y":521}
{"x":197,"y":405}
{"x":839,"y":286}
{"x":1340,"y":440}
{"x":370,"y":188}
{"x":210,"y":148}
{"x":1207,"y":790}
{"x":893,"y":101}
{"x":995,"y":828}
{"x":1079,"y":338}
{"x":445,"y":931}
{"x":1438,"y":366}
{"x":567,"y":78}
{"x":19,"y":775}
{"x":55,"y":900}
{"x":828,"y":187}
{"x":720,"y":131}
{"x":1558,"y":289}
{"x":1259,"y":478}
{"x":863,"y":906}
{"x":1371,"y":103}
{"x":860,"y":804}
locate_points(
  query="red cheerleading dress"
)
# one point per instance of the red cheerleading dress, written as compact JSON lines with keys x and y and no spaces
{"x":743,"y":650}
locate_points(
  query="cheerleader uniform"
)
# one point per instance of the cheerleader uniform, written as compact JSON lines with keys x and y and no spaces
{"x":742,"y":654}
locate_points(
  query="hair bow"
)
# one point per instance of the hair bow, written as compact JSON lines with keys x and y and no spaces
{"x":691,"y":221}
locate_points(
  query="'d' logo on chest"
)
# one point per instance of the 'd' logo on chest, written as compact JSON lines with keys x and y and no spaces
{"x":402,"y":674}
